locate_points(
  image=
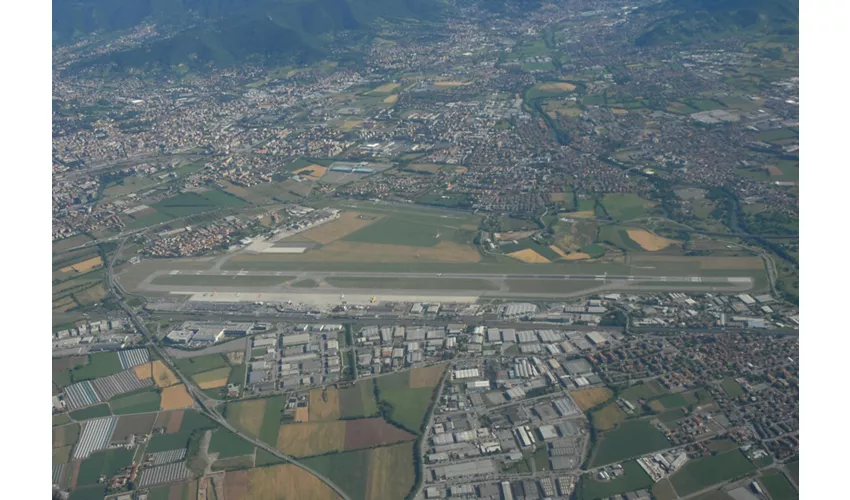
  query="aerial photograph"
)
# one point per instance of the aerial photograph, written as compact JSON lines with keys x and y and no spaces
{"x":426,"y":249}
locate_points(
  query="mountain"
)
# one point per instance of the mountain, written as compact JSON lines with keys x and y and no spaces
{"x":692,"y":20}
{"x":223,"y":32}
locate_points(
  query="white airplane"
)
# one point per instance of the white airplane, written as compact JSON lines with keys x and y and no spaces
{"x":439,"y":275}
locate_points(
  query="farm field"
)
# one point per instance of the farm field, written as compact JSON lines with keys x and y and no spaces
{"x":371,"y":432}
{"x":101,"y":410}
{"x":175,"y":397}
{"x":679,"y":400}
{"x":280,"y":482}
{"x":161,"y":374}
{"x":629,"y":439}
{"x":607,"y":417}
{"x":193,"y":366}
{"x":358,"y":401}
{"x":703,"y":472}
{"x":132,"y":424}
{"x":324,"y":405}
{"x":793,"y":467}
{"x":136,"y":403}
{"x":624,"y":207}
{"x":407,"y":405}
{"x":649,"y":241}
{"x":588,"y":398}
{"x":213,"y":378}
{"x":646,"y":391}
{"x":312,"y":438}
{"x":663,"y":490}
{"x":247,"y":415}
{"x":101,"y":364}
{"x":228,"y":444}
{"x":104,"y":462}
{"x":634,"y":478}
{"x":385,"y":472}
{"x":66,"y":435}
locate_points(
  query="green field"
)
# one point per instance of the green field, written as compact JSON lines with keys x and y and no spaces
{"x":528,"y":243}
{"x":703,"y":472}
{"x":305,"y":283}
{"x":777,"y":135}
{"x":272,"y":419}
{"x":412,"y":230}
{"x":349,"y":470}
{"x":643,"y":390}
{"x":670,"y":416}
{"x":105,"y":462}
{"x":358,"y":401}
{"x":192,"y":203}
{"x":413,"y":283}
{"x":88,"y":493}
{"x":625,"y":206}
{"x":135,"y":403}
{"x":663,"y":490}
{"x":793,"y":467}
{"x":617,"y":236}
{"x":165,"y":442}
{"x":212,"y":375}
{"x":101,"y":410}
{"x":633,"y":479}
{"x":228,"y":444}
{"x":629,"y":439}
{"x":149,"y":219}
{"x":720,"y":445}
{"x":66,"y":435}
{"x":193,"y":366}
{"x":732,"y":388}
{"x":265,"y":458}
{"x":237,"y":374}
{"x":683,"y":399}
{"x":223,"y":281}
{"x":61,"y":419}
{"x":778,"y":486}
{"x":403,"y":405}
{"x":101,"y":364}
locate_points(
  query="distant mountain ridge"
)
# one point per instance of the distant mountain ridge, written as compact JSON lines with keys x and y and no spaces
{"x":226,"y":31}
{"x":691,"y":20}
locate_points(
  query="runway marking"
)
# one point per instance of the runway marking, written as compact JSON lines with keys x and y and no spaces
{"x":172,"y":273}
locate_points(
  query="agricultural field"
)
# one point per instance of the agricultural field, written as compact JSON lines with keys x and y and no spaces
{"x":634,"y":478}
{"x":663,"y":490}
{"x":175,"y":397}
{"x":405,"y":405}
{"x":644,"y":390}
{"x":385,"y":472}
{"x":281,"y":482}
{"x":607,"y":417}
{"x":629,"y":439}
{"x":193,"y":366}
{"x":132,"y":424}
{"x":66,"y":435}
{"x":101,"y":410}
{"x":258,"y":417}
{"x":679,"y":400}
{"x":228,"y":444}
{"x":358,"y":401}
{"x":101,"y":364}
{"x":158,"y":371}
{"x":312,"y":438}
{"x":324,"y":405}
{"x":703,"y":472}
{"x":213,"y":378}
{"x":649,"y":241}
{"x":138,"y":402}
{"x":589,"y":398}
{"x":104,"y":462}
{"x":623,"y":207}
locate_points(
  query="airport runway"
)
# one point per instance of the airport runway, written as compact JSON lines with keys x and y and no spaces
{"x":577,"y":277}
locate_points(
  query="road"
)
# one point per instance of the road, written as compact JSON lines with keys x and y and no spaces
{"x":199,"y":397}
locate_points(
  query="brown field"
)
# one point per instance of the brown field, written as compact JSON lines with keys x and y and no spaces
{"x":451,"y":84}
{"x":69,"y":362}
{"x":132,"y":424}
{"x":559,"y":252}
{"x":430,"y":168}
{"x":91,"y":295}
{"x":175,"y":397}
{"x":773,"y":170}
{"x":557,"y":87}
{"x":608,"y":417}
{"x":312,"y":171}
{"x":84,"y":266}
{"x":426,"y":377}
{"x":321,"y":411}
{"x":386,"y":88}
{"x":461,"y":169}
{"x":371,"y":432}
{"x":391,"y":474}
{"x":313,"y":438}
{"x":302,"y":414}
{"x":75,"y":471}
{"x":283,"y":482}
{"x":557,"y":196}
{"x":656,"y":406}
{"x":587,"y":214}
{"x":513,"y":235}
{"x":174,"y":421}
{"x":391,"y":99}
{"x":240,"y":462}
{"x":347,"y":223}
{"x":162,"y":375}
{"x":64,"y":304}
{"x":529,"y":255}
{"x":649,"y":241}
{"x":236,"y":484}
{"x":212,"y":379}
{"x":577,"y":256}
{"x":250,"y":415}
{"x":619,"y":111}
{"x":238,"y":191}
{"x":588,"y":398}
{"x":235,"y":357}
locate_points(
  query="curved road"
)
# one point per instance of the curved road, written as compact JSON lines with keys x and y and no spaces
{"x":201,"y":399}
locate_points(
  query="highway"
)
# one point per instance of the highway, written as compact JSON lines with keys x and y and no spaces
{"x":200,"y":398}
